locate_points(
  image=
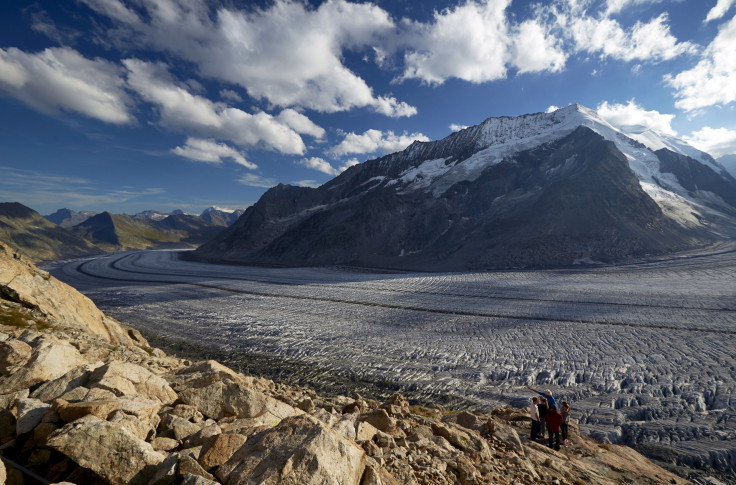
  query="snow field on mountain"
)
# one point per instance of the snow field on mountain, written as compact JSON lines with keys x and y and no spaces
{"x":645,"y":353}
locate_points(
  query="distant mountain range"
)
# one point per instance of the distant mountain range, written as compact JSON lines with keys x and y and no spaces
{"x":37,"y":238}
{"x":540,"y":190}
{"x":212,"y":215}
{"x":67,"y":234}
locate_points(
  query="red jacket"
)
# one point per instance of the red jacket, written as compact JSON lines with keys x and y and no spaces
{"x":554,"y":420}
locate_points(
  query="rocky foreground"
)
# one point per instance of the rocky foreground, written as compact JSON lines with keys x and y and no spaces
{"x":86,"y":400}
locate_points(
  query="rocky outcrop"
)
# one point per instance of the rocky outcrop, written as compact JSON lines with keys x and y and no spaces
{"x":22,"y":282}
{"x":77,"y":406}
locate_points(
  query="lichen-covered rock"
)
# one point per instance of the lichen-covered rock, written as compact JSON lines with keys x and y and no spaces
{"x":229,"y":398}
{"x":77,"y":377}
{"x":13,"y":352}
{"x":299,"y":450}
{"x":219,"y":449}
{"x":127,"y":379}
{"x":109,"y":450}
{"x":51,"y":358}
{"x":30,"y":412}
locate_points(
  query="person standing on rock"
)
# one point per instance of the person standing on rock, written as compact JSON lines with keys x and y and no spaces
{"x":534,"y":414}
{"x":551,"y":402}
{"x":554,"y":422}
{"x":543,"y":409}
{"x":565,"y":411}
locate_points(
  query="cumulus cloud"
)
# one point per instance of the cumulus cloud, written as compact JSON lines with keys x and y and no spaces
{"x":62,"y":79}
{"x":253,"y":180}
{"x":300,"y":123}
{"x":645,"y":41}
{"x":289,"y":54}
{"x":375,"y":140}
{"x":469,"y":42}
{"x":535,"y":49}
{"x":456,"y":127}
{"x":318,"y":164}
{"x":714,"y":141}
{"x":208,"y":150}
{"x":632,"y":116}
{"x":552,"y":108}
{"x":322,"y":165}
{"x":719,"y":10}
{"x":713,"y":80}
{"x":181,"y":110}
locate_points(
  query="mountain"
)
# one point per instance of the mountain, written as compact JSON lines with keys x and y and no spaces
{"x":539,"y":190}
{"x":68,"y":217}
{"x":151,"y":215}
{"x":118,"y":232}
{"x":38,"y":239}
{"x":221,"y":217}
{"x":729,"y":163}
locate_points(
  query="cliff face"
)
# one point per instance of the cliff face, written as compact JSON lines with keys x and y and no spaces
{"x":84,"y":400}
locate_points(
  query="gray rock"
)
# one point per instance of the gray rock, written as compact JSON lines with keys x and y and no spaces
{"x":30,"y":412}
{"x":109,"y":450}
{"x":299,"y":450}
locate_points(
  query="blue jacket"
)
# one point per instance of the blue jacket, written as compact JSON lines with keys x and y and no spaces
{"x":550,"y":400}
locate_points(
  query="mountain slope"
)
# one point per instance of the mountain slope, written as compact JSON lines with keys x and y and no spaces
{"x":37,"y":238}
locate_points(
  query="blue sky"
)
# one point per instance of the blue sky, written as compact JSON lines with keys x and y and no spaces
{"x":127,"y":105}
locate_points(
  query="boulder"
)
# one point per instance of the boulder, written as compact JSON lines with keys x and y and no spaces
{"x":13,"y":352}
{"x":126,"y":379}
{"x":77,"y":377}
{"x":109,"y":450}
{"x":219,"y":449}
{"x":375,"y":474}
{"x":203,"y":374}
{"x":299,"y":450}
{"x":230,"y":398}
{"x":30,"y":413}
{"x":51,"y":358}
{"x":197,"y":480}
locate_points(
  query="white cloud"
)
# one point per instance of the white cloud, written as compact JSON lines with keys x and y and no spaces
{"x":183,"y":111}
{"x":375,"y":140}
{"x":631,"y":115}
{"x":201,"y":150}
{"x":648,"y":42}
{"x":552,"y":108}
{"x":456,"y":127}
{"x":322,"y":165}
{"x":318,"y":164}
{"x":62,"y":79}
{"x":307,"y":183}
{"x":300,"y":123}
{"x":253,"y":180}
{"x":714,"y":141}
{"x":535,"y":49}
{"x":230,"y":95}
{"x":616,"y":6}
{"x":469,"y":42}
{"x":719,"y":10}
{"x":713,"y":80}
{"x":289,"y":54}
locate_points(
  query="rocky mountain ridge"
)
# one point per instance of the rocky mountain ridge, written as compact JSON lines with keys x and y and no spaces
{"x":83,"y":399}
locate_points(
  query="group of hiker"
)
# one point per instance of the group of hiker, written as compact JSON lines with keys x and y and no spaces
{"x":545,"y":414}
